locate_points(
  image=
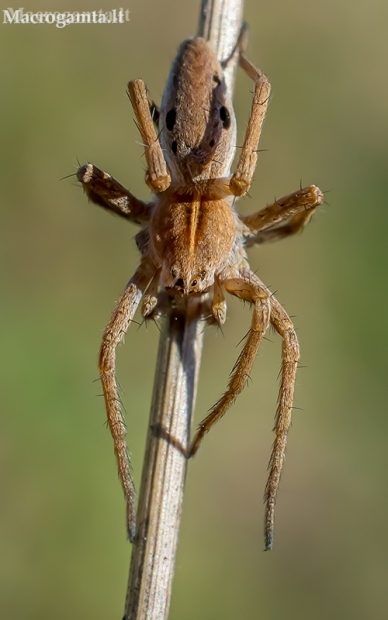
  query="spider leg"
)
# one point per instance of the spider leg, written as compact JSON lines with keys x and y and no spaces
{"x":105,"y":191}
{"x":150,"y":298}
{"x":295,"y":209}
{"x":246,"y":286}
{"x":290,"y":357}
{"x":218,"y":303}
{"x":154,"y":111}
{"x":157,"y":176}
{"x":242,"y":178}
{"x":113,"y":335}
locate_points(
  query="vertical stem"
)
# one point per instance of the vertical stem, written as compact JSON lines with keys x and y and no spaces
{"x":220,"y":23}
{"x":164,"y":470}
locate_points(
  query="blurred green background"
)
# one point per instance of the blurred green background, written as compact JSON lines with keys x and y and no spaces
{"x":64,"y":263}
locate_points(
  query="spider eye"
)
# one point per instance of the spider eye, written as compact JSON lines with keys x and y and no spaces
{"x":202,"y":275}
{"x":225,"y":117}
{"x":170,"y":119}
{"x":211,"y":143}
{"x":194,"y":283}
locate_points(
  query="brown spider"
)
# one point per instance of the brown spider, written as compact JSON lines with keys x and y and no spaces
{"x":192,"y":240}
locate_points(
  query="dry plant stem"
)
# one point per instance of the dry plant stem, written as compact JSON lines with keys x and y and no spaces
{"x":164,"y":469}
{"x":161,"y":491}
{"x":220,"y":23}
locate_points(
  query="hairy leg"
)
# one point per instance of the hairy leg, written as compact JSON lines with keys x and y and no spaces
{"x":105,"y":191}
{"x":246,"y":286}
{"x":218,"y":303}
{"x":157,"y":177}
{"x":290,"y":357}
{"x":113,"y":335}
{"x":241,"y":180}
{"x":154,"y":111}
{"x":150,"y":298}
{"x":296,"y":210}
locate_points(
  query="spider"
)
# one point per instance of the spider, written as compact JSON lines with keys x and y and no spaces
{"x":193,"y":242}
